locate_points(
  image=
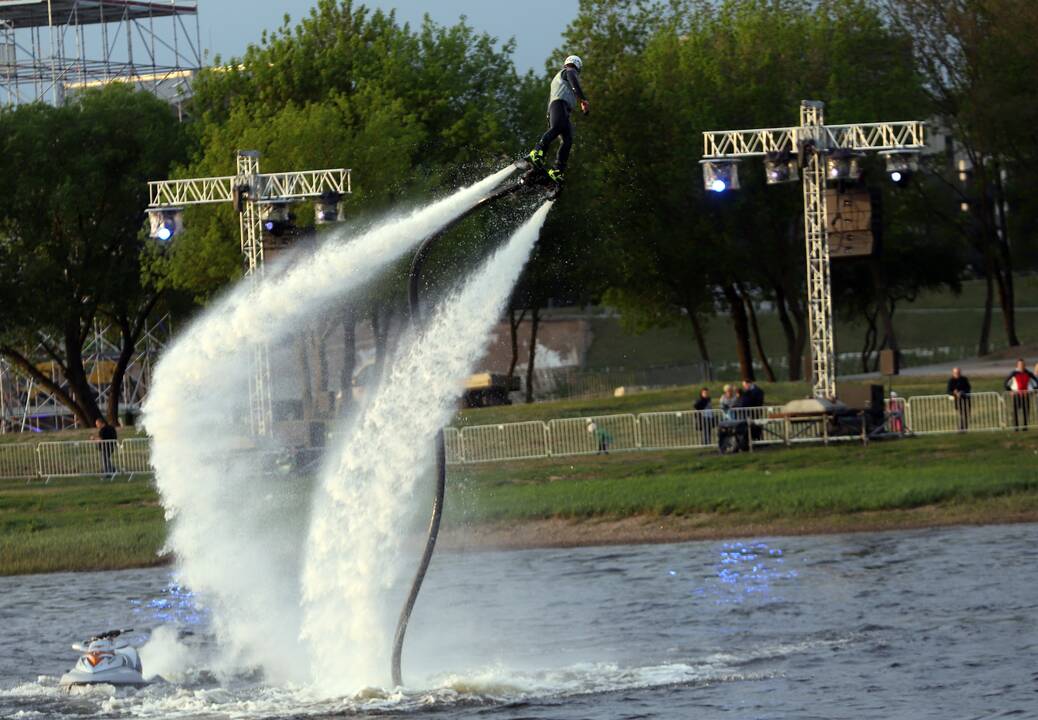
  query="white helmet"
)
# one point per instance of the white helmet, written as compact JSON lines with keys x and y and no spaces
{"x":573,"y":60}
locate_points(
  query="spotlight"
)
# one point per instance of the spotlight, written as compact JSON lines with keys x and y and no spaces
{"x":720,"y":175}
{"x":843,"y":164}
{"x":277,"y":220}
{"x":326,"y":207}
{"x":780,"y":167}
{"x":901,"y":165}
{"x":165,"y":223}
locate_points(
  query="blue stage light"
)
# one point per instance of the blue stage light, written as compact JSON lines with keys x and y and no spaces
{"x":718,"y":186}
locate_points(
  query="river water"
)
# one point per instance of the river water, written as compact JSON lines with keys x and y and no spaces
{"x":922,"y":624}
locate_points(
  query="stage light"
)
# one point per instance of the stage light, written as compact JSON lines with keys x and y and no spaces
{"x":326,"y":207}
{"x":720,"y":175}
{"x":780,"y":167}
{"x":277,"y":220}
{"x":901,"y":165}
{"x":842,"y":164}
{"x":165,"y":223}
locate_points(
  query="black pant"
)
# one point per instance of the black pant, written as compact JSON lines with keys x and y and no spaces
{"x":962,"y":404}
{"x":1020,"y":407}
{"x":558,"y":124}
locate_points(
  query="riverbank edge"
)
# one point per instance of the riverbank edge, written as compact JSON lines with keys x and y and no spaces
{"x":652,"y":529}
{"x":655,"y":529}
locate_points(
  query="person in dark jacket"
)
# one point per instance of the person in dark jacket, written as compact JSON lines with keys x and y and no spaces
{"x":106,"y":437}
{"x":705,"y":418}
{"x":564,"y":95}
{"x":1022,"y":383}
{"x":959,"y":391}
{"x":752,"y":395}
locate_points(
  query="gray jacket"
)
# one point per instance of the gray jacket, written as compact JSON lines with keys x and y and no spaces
{"x":565,"y":86}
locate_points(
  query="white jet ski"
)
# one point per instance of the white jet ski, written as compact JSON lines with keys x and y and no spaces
{"x":110,"y":658}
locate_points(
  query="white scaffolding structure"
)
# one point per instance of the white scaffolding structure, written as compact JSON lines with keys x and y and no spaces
{"x":49,"y":48}
{"x":813,"y":140}
{"x":250,"y":191}
{"x":27,"y":406}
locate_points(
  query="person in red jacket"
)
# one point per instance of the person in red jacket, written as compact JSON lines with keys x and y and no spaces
{"x":1023,"y":384}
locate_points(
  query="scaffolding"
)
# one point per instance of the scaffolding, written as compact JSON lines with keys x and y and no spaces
{"x":49,"y":48}
{"x":26,"y":406}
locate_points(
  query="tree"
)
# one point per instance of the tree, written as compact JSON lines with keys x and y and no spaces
{"x":979,"y":59}
{"x":74,"y":179}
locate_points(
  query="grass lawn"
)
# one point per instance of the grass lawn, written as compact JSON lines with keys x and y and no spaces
{"x":86,"y":524}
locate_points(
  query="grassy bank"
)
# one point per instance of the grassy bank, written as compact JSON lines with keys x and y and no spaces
{"x":92,"y":525}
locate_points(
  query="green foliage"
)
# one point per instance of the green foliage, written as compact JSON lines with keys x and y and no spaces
{"x":407,"y":109}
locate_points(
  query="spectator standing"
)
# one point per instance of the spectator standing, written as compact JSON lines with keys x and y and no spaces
{"x":896,"y":409}
{"x":959,"y":391}
{"x":727,"y":402}
{"x":706,"y":414}
{"x":752,"y":395}
{"x":1021,"y":383}
{"x":106,"y":437}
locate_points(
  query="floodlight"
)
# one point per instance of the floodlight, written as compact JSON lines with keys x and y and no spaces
{"x":842,"y":164}
{"x":901,"y":165}
{"x":720,"y":175}
{"x":326,"y":207}
{"x":165,"y":223}
{"x":780,"y":167}
{"x":277,"y":220}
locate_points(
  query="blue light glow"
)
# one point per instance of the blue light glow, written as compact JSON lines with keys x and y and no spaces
{"x":896,"y":176}
{"x":165,"y":232}
{"x":718,"y":186}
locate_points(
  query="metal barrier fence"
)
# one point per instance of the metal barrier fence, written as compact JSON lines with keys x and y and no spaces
{"x":935,"y":414}
{"x":921,"y":415}
{"x":18,"y":461}
{"x":511,"y":441}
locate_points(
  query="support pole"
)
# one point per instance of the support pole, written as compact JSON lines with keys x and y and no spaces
{"x":819,"y":290}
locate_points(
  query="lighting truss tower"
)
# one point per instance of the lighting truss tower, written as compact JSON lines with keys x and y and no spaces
{"x":814,"y":140}
{"x":49,"y":48}
{"x":250,"y":191}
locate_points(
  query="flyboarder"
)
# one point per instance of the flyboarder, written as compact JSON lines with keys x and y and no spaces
{"x":564,"y":96}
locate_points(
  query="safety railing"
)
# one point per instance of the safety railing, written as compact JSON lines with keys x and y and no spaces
{"x":1021,"y":410}
{"x":511,"y":441}
{"x":938,"y":414}
{"x":590,"y":435}
{"x":18,"y":460}
{"x":688,"y":429}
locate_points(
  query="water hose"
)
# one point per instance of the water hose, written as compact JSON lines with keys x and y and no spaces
{"x":417,"y":263}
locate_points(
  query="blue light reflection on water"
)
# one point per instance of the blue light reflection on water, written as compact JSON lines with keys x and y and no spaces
{"x":744,"y":571}
{"x":175,"y":605}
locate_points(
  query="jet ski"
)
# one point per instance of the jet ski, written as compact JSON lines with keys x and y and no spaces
{"x":110,"y":658}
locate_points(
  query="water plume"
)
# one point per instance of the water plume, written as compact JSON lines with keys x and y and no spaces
{"x":238,"y":530}
{"x":354,"y":557}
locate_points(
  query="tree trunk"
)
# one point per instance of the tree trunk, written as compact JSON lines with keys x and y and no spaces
{"x":513,"y":333}
{"x":704,"y":352}
{"x":76,"y":375}
{"x":130,"y":334}
{"x":349,"y":357}
{"x":885,"y":317}
{"x":535,"y":322}
{"x":1006,"y":293}
{"x":793,"y":353}
{"x":984,"y":344}
{"x":30,"y":370}
{"x":748,"y":301}
{"x":870,"y":340}
{"x":741,"y":326}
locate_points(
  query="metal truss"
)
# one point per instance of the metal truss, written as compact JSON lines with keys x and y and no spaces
{"x":25,"y":406}
{"x":255,"y":190}
{"x":814,"y":139}
{"x":273,"y":187}
{"x":48,"y":49}
{"x":861,"y":137}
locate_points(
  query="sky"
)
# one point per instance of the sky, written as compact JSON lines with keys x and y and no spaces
{"x":228,"y":26}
